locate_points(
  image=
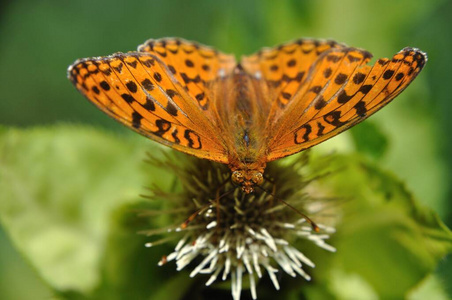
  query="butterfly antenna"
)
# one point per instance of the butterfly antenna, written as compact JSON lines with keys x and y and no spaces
{"x":202,"y":209}
{"x":309,"y":220}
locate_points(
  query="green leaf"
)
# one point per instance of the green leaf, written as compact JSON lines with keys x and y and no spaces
{"x":60,"y":187}
{"x":385,"y":237}
{"x":369,"y":139}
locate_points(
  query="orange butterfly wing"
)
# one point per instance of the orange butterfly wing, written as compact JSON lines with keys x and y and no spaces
{"x":144,"y":91}
{"x":337,"y":90}
{"x":195,"y":66}
{"x":177,"y":92}
{"x":284,"y":68}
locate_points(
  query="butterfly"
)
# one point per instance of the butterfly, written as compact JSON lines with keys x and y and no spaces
{"x":271,"y":104}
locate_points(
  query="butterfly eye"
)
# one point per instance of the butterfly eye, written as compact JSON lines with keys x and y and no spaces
{"x":257,"y":178}
{"x":237,"y":177}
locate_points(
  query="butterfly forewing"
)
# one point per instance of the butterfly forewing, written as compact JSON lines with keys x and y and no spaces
{"x":363,"y":90}
{"x":284,"y":67}
{"x":196,"y":67}
{"x":326,"y":79}
{"x":140,"y":91}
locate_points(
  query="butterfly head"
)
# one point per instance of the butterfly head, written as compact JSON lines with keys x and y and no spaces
{"x":247,"y":179}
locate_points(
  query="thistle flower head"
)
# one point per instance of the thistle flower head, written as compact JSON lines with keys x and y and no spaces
{"x":234,"y":236}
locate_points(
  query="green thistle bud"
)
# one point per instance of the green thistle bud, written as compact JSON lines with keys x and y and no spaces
{"x":228,"y":234}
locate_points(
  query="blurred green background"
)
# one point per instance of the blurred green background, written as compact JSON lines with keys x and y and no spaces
{"x":39,"y":39}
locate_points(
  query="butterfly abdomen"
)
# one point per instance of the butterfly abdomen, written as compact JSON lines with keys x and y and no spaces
{"x":246,"y":113}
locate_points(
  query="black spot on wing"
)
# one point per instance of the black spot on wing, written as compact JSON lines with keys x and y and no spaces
{"x":104,"y":85}
{"x":174,"y":135}
{"x":291,"y":63}
{"x":333,"y":118}
{"x":286,"y":96}
{"x":327,"y":73}
{"x":173,"y":51}
{"x":131,"y":86}
{"x":352,"y":58}
{"x":172,"y":69}
{"x":149,"y":105}
{"x":399,"y":76}
{"x":382,"y":62}
{"x":162,"y":54}
{"x":343,"y":97}
{"x":333,"y":58}
{"x":299,"y":76}
{"x":316,"y":89}
{"x":163,"y":126}
{"x":320,"y":103}
{"x":187,"y":79}
{"x":388,"y":74}
{"x":95,"y":90}
{"x":128,"y":98}
{"x":118,"y":68}
{"x":157,"y":76}
{"x":321,"y":128}
{"x":194,"y":141}
{"x":200,"y":96}
{"x":136,"y":119}
{"x":133,"y":64}
{"x":340,"y":78}
{"x":361,"y":109}
{"x":147,"y":84}
{"x":171,"y":93}
{"x":171,"y":109}
{"x":106,"y":72}
{"x":189,"y":63}
{"x":305,"y":137}
{"x":84,"y":86}
{"x":148,"y":62}
{"x":359,"y":78}
{"x":307,"y":51}
{"x":365,"y":88}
